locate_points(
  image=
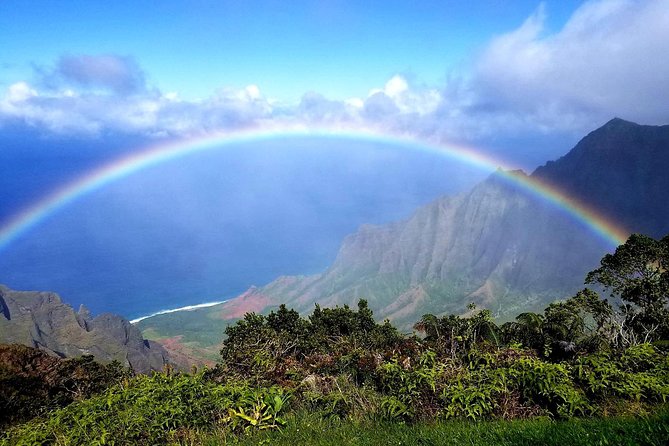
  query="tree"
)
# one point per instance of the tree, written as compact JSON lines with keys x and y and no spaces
{"x":481,"y":327}
{"x":637,"y":272}
{"x":527,"y":329}
{"x":638,"y":275}
{"x":269,"y":347}
{"x":429,"y":325}
{"x":457,"y":334}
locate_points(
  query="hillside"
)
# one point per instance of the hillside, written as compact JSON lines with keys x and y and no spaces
{"x":494,"y":246}
{"x":620,"y":169}
{"x":41,"y":319}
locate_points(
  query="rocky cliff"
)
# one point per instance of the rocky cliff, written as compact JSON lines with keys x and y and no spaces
{"x":496,"y":246}
{"x":42,"y":320}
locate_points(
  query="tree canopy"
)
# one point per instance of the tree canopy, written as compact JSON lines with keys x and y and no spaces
{"x":637,"y":275}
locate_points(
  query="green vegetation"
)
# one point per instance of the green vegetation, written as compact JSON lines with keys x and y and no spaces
{"x":197,"y":328}
{"x":163,"y":407}
{"x":32,"y":382}
{"x":581,"y":372}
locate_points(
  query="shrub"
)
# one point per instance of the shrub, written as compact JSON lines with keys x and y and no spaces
{"x":550,"y":386}
{"x":156,"y":409}
{"x":32,"y":382}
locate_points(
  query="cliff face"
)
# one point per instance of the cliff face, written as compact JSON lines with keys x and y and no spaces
{"x":622,"y":170}
{"x":42,"y":320}
{"x":496,"y":245}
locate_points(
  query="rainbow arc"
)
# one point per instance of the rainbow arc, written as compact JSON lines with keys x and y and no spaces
{"x":22,"y":222}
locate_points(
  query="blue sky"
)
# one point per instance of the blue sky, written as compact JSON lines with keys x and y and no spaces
{"x":523,"y":80}
{"x":338,"y":48}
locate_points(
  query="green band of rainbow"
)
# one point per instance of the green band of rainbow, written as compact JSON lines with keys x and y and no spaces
{"x":22,"y":222}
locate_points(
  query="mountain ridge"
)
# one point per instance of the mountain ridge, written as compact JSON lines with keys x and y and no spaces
{"x":472,"y":244}
{"x":42,"y":320}
{"x":617,"y":169}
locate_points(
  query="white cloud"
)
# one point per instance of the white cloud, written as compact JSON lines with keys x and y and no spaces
{"x":316,"y":108}
{"x":150,"y":113}
{"x":608,"y":60}
{"x":396,"y":86}
{"x":405,"y":98}
{"x":19,"y":92}
{"x":380,"y":107}
{"x":252,"y":92}
{"x":356,"y":103}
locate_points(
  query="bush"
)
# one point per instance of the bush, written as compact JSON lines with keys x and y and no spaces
{"x":550,"y":386}
{"x":639,"y":374}
{"x":156,"y":409}
{"x":32,"y":382}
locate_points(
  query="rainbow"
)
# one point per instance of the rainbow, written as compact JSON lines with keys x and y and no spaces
{"x":29,"y":218}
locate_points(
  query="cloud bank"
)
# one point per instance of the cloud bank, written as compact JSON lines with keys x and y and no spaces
{"x":607,"y":60}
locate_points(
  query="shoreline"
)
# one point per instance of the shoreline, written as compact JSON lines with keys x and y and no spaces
{"x":174,"y":310}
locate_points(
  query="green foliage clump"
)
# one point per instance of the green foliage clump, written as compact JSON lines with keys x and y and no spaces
{"x":337,"y":398}
{"x":268,"y":348}
{"x":470,"y":398}
{"x":411,"y":389}
{"x":158,"y":409}
{"x":640,"y":373}
{"x":550,"y":386}
{"x":32,"y":382}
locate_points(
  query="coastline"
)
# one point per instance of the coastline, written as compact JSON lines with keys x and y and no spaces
{"x":174,"y":310}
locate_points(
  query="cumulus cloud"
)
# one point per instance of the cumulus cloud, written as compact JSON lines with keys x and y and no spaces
{"x":607,"y":60}
{"x":317,"y":109}
{"x":18,"y":93}
{"x":407,"y":98}
{"x":149,"y":113}
{"x":227,"y":110}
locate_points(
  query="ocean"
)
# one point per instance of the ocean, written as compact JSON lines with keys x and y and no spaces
{"x":205,"y":227}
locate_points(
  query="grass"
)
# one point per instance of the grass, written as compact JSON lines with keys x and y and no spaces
{"x":306,"y":429}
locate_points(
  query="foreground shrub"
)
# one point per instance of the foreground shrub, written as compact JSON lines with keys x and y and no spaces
{"x":274,"y":349}
{"x":639,"y":374}
{"x":337,"y":397}
{"x":156,"y":409}
{"x":33,"y":382}
{"x":550,"y":386}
